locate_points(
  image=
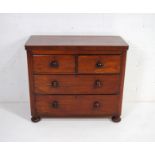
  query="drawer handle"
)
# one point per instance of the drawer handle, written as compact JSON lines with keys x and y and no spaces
{"x":54,"y":64}
{"x":98,"y":83}
{"x":96,"y":104}
{"x":55,"y":84}
{"x":99,"y":64}
{"x":55,"y":104}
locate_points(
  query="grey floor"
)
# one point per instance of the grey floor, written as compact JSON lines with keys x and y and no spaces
{"x":138,"y":124}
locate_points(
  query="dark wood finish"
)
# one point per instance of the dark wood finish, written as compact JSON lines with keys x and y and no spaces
{"x":31,"y":85}
{"x":53,"y":64}
{"x":122,"y":76}
{"x":116,"y":119}
{"x":35,"y":119}
{"x":76,"y":84}
{"x":76,"y":105}
{"x":99,"y":64}
{"x":76,"y":76}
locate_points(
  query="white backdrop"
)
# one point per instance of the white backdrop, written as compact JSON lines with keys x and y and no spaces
{"x":137,"y":29}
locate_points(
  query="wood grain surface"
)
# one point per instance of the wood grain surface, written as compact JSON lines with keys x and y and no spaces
{"x":76,"y":84}
{"x":77,"y":105}
{"x":110,"y":64}
{"x":42,"y":64}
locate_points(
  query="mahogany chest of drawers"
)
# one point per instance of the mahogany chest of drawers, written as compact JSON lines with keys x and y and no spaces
{"x":76,"y":76}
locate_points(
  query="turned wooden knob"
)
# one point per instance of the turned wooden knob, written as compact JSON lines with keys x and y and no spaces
{"x":55,"y":84}
{"x":54,"y":64}
{"x":55,"y":104}
{"x":99,"y":64}
{"x":98,"y":83}
{"x":96,"y":104}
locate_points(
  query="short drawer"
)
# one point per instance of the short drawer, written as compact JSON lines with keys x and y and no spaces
{"x":99,"y":64}
{"x":53,"y":64}
{"x":76,"y":105}
{"x":76,"y":84}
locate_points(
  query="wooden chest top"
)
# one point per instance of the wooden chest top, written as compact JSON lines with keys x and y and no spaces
{"x":108,"y":42}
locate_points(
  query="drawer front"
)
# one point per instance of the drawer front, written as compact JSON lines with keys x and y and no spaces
{"x":52,"y":64}
{"x":76,"y":84}
{"x":76,"y":105}
{"x":99,"y":64}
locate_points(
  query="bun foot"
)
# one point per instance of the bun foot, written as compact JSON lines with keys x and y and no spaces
{"x":35,"y":119}
{"x":116,"y":118}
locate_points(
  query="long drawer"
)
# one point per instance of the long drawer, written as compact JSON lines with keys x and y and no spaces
{"x":76,"y":105}
{"x":76,"y":84}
